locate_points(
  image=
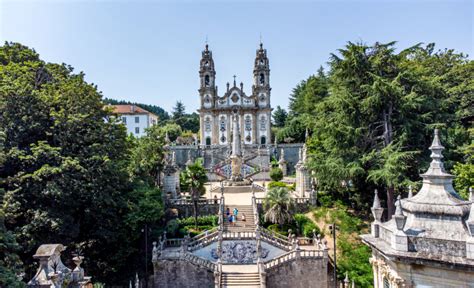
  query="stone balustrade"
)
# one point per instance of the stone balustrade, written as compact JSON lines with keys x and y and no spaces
{"x":275,"y":239}
{"x":184,"y":201}
{"x":203,"y":240}
{"x":199,"y":261}
{"x":238,"y":235}
{"x":293,"y":255}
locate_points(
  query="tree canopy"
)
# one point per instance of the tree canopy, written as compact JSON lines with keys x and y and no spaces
{"x":372,"y":114}
{"x":65,"y":167}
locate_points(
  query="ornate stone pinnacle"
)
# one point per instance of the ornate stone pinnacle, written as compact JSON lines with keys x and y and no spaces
{"x":436,"y":168}
{"x":410,"y":192}
{"x":400,"y":219}
{"x":398,"y":205}
{"x":471,"y":194}
{"x":376,"y":199}
{"x":377,"y":210}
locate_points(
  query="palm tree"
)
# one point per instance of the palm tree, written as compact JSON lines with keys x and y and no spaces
{"x":278,"y":206}
{"x":194,"y":177}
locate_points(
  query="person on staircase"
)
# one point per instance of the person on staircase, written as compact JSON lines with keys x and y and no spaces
{"x":236,"y":211}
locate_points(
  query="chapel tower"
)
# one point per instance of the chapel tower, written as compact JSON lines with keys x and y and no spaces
{"x":253,"y":112}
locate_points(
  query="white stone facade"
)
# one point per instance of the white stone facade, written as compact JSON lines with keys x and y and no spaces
{"x":253,"y":111}
{"x":135,"y":119}
{"x":427,"y":243}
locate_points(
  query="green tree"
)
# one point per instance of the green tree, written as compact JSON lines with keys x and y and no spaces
{"x":279,"y":117}
{"x":194,"y":177}
{"x":178,"y":110}
{"x":276,"y":174}
{"x":278,"y":206}
{"x":146,"y":156}
{"x":380,"y":102}
{"x":65,"y":167}
{"x":9,"y":261}
{"x":464,"y":170}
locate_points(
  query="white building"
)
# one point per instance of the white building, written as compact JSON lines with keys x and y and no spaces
{"x":429,"y":242}
{"x":135,"y":118}
{"x":253,"y":111}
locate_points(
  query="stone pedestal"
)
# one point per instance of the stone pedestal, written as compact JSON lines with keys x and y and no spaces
{"x":399,"y":241}
{"x":170,"y":182}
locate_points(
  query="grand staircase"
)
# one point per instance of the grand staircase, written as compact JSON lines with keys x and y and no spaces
{"x":241,"y":226}
{"x":240,"y":280}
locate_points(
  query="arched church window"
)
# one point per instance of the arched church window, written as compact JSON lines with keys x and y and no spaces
{"x":248,"y":123}
{"x":262,"y":79}
{"x":206,"y":63}
{"x":263,"y":123}
{"x":207,"y":124}
{"x":261,"y":62}
{"x":206,"y":81}
{"x":263,"y":140}
{"x":223,"y":124}
{"x":207,"y":99}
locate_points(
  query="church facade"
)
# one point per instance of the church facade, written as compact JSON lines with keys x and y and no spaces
{"x":253,"y":111}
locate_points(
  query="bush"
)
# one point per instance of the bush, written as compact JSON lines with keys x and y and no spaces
{"x":210,"y":220}
{"x":282,"y":229}
{"x":306,"y":226}
{"x":172,"y":227}
{"x":276,"y":174}
{"x":274,"y":184}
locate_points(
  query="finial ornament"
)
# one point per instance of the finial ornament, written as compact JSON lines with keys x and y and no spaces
{"x":376,"y":199}
{"x":234,"y":80}
{"x":377,"y":210}
{"x":410,"y":192}
{"x":398,"y":205}
{"x":436,"y":168}
{"x":400,"y":219}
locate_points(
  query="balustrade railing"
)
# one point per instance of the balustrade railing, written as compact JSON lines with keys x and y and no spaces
{"x":190,"y":201}
{"x":298,"y":200}
{"x":276,"y":241}
{"x":199,"y":261}
{"x":292,"y":255}
{"x":238,"y":235}
{"x":203,"y":240}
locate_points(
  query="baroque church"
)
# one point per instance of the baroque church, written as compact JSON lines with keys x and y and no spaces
{"x":253,"y":112}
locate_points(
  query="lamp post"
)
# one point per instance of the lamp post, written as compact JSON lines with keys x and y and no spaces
{"x":333,"y":229}
{"x":145,"y":230}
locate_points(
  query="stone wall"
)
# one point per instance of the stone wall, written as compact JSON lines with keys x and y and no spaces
{"x":186,"y":210}
{"x":172,"y":273}
{"x":300,"y":273}
{"x":291,"y":155}
{"x":183,"y":151}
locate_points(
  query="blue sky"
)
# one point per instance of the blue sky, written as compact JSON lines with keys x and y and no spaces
{"x":149,"y":51}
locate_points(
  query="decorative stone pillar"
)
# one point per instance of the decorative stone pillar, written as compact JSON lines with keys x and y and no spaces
{"x":377,"y":212}
{"x":282,"y":163}
{"x":170,"y":181}
{"x":303,"y":182}
{"x":399,"y":238}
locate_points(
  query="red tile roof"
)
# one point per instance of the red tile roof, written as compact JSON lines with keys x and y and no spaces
{"x":129,"y":109}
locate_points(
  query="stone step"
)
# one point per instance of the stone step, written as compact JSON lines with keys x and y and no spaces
{"x":240,"y":280}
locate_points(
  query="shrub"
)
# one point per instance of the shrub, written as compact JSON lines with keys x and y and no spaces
{"x":276,"y":184}
{"x":306,"y":226}
{"x":210,"y":220}
{"x":276,"y":174}
{"x":172,"y":227}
